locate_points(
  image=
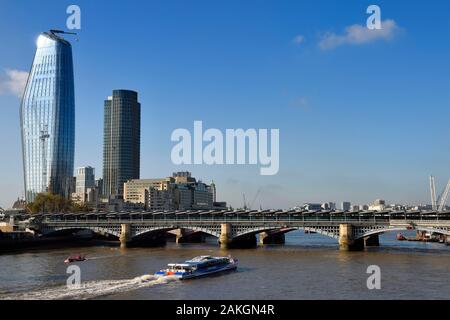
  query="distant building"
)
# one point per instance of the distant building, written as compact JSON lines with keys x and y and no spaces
{"x":86,"y":191}
{"x":346,"y":206}
{"x":121,"y":144}
{"x":312,"y":206}
{"x":99,"y":186}
{"x":19,"y":204}
{"x":329,"y":206}
{"x":325,"y":206}
{"x":183,"y":177}
{"x":153,"y":193}
{"x":213,"y":190}
{"x":181,"y":191}
{"x":219,"y":205}
{"x":85,"y":178}
{"x":378,"y":205}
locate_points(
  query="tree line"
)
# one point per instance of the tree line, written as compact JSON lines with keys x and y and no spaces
{"x":53,"y":203}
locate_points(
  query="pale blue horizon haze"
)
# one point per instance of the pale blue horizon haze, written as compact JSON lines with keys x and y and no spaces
{"x":361,"y":117}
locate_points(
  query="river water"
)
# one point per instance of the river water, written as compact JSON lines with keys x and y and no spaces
{"x":308,"y":266}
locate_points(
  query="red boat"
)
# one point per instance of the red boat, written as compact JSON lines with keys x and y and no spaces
{"x":75,"y":258}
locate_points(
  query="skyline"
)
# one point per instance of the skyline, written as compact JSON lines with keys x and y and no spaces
{"x":226,"y":74}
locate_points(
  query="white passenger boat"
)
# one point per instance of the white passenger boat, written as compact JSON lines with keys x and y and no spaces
{"x":199,"y":267}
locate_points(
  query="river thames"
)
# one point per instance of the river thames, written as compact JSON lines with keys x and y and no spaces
{"x":308,"y":266}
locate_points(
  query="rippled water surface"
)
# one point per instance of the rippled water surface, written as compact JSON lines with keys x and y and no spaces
{"x":308,"y":266}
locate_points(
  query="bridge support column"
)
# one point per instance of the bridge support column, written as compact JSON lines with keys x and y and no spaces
{"x":179,"y":236}
{"x":225,"y":235}
{"x":372,"y":241}
{"x":346,"y":239}
{"x":271,"y":238}
{"x":125,"y":235}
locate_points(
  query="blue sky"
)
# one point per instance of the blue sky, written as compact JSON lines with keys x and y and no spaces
{"x":358,"y":119}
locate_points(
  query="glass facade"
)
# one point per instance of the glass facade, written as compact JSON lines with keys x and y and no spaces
{"x":122,"y":140}
{"x":48,"y":119}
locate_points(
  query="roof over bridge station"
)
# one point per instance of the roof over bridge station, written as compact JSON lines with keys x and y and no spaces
{"x":224,"y":213}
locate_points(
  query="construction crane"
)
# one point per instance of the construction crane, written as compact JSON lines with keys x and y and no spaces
{"x":44,"y":137}
{"x":254,"y":199}
{"x":249,"y":205}
{"x":442,"y":199}
{"x":56,"y":32}
{"x":433,"y":193}
{"x":245,"y":202}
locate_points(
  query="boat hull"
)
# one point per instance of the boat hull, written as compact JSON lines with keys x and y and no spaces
{"x":198,"y":274}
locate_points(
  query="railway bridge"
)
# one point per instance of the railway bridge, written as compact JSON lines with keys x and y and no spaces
{"x":238,"y":228}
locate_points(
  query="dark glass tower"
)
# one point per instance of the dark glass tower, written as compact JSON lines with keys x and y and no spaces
{"x":122,"y":141}
{"x":47,"y":117}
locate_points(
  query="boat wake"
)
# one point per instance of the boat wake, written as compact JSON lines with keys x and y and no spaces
{"x":92,"y":289}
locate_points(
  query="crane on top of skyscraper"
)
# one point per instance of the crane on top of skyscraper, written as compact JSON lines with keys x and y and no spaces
{"x":438,"y":203}
{"x":56,"y":32}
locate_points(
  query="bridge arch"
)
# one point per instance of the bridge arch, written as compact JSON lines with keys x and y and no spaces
{"x":146,"y":231}
{"x":331,"y":232}
{"x":402,"y":228}
{"x":97,"y":230}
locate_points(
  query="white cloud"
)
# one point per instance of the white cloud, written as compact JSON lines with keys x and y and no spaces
{"x":298,"y":39}
{"x":13,"y":82}
{"x":300,"y":102}
{"x":358,"y":34}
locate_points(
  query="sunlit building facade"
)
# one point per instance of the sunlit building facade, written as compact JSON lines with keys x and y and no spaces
{"x":48,"y":119}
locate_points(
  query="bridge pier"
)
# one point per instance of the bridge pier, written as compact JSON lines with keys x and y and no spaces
{"x":227,"y":241}
{"x":372,"y":241}
{"x":125,"y":235}
{"x":347,"y":242}
{"x":225,"y":235}
{"x":271,"y":238}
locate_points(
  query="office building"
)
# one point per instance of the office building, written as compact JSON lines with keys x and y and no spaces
{"x":378,"y":205}
{"x":311,"y":207}
{"x":181,"y":191}
{"x":213,"y":191}
{"x":85,"y":178}
{"x":121,"y":145}
{"x":346,"y":206}
{"x":47,"y":117}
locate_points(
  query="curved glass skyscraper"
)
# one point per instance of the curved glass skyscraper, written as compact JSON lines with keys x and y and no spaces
{"x":48,"y":119}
